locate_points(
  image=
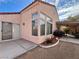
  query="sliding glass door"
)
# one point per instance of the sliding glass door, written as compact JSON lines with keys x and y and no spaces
{"x":16,"y":31}
{"x":6,"y":30}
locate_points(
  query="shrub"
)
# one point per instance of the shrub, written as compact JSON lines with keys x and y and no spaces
{"x":66,"y":30}
{"x":58,"y":33}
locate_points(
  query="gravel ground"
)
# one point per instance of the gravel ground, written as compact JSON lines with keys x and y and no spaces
{"x":64,"y":50}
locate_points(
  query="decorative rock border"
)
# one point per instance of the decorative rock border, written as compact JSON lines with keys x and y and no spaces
{"x":49,"y":46}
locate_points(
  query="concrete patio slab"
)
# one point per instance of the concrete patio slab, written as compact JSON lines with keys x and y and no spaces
{"x":12,"y":49}
{"x":72,"y":40}
{"x":64,"y":50}
{"x":26,"y":44}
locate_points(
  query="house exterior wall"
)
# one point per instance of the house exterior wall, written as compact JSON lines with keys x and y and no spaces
{"x":13,"y":18}
{"x":27,"y":19}
{"x":26,"y":30}
{"x":52,"y":13}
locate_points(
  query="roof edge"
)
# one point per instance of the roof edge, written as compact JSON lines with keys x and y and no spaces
{"x":36,"y":1}
{"x":9,"y":12}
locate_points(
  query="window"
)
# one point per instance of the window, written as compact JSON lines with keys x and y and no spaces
{"x":42,"y":16}
{"x":49,"y":26}
{"x":42,"y":27}
{"x":42,"y":24}
{"x":34,"y":24}
{"x":45,"y":23}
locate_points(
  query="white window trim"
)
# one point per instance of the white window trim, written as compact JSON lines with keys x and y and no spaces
{"x":45,"y":24}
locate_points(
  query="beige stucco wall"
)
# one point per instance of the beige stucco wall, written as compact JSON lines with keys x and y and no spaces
{"x":13,"y":18}
{"x":26,"y":30}
{"x":25,"y":17}
{"x":52,"y":13}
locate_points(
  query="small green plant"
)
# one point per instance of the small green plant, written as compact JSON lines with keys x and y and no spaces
{"x":66,"y":30}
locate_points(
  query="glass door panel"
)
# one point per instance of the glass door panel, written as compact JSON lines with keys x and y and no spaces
{"x":16,"y":31}
{"x":6,"y":31}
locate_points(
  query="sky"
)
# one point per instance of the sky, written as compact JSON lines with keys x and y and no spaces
{"x":13,"y":5}
{"x":65,"y":8}
{"x":68,"y":8}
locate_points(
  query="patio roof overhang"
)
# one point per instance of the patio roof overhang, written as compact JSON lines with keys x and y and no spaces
{"x":68,"y":23}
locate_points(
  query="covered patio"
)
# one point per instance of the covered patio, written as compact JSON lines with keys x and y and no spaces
{"x":72,"y":25}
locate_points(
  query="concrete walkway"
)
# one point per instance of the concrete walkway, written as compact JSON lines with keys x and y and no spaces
{"x":12,"y":49}
{"x":64,"y":50}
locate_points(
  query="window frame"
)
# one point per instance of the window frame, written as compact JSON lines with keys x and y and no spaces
{"x":46,"y":21}
{"x":36,"y":26}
